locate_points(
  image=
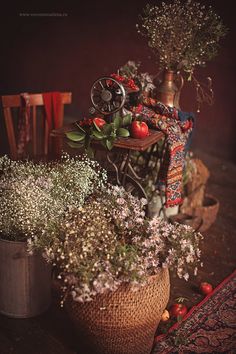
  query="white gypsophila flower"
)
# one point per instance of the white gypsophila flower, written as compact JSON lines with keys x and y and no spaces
{"x":108,"y":241}
{"x":181,"y":34}
{"x":34,"y":196}
{"x":186,"y":276}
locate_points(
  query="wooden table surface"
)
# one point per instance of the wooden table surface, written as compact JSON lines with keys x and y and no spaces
{"x":123,"y":143}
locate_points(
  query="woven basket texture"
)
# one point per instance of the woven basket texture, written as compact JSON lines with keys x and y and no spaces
{"x":124,"y":321}
{"x":208,"y":213}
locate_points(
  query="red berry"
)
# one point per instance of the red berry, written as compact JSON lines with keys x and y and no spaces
{"x":205,"y":288}
{"x":178,"y":310}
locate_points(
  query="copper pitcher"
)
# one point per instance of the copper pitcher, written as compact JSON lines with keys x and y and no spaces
{"x":168,"y":89}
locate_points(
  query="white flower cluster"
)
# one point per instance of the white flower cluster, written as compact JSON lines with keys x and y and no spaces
{"x":34,"y":197}
{"x":109,"y":241}
{"x":181,"y":34}
{"x":183,"y":245}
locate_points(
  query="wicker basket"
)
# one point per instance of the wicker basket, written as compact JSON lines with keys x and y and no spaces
{"x":124,"y":321}
{"x":194,"y":221}
{"x":208,"y":212}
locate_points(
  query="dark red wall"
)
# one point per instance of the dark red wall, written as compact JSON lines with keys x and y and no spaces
{"x":94,"y":39}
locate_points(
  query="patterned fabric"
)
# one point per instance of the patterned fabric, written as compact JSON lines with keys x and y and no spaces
{"x":210,"y":327}
{"x":176,"y":126}
{"x":24,"y":124}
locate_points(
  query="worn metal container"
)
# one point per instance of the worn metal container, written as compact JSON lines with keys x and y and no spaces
{"x":25,"y":281}
{"x":168,"y":89}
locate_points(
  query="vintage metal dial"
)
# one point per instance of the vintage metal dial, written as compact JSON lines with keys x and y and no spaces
{"x":107,"y":95}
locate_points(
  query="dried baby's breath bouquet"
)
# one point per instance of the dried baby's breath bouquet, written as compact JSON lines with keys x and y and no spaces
{"x":109,"y":241}
{"x":181,"y":34}
{"x":35,"y":196}
{"x":97,"y":234}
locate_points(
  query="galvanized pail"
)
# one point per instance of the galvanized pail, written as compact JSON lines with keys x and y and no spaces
{"x":25,"y":281}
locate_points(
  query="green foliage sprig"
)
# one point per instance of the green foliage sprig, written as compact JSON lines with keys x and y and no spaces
{"x":107,"y":134}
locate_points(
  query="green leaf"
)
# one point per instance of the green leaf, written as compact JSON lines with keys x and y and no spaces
{"x":126,"y":120}
{"x":108,"y":128}
{"x":116,"y":114}
{"x":89,"y":151}
{"x":113,"y":134}
{"x":75,"y":145}
{"x":75,"y":136}
{"x":123,"y":132}
{"x":87,"y":142}
{"x":80,"y":128}
{"x":117,"y":121}
{"x":98,"y":135}
{"x":109,"y":144}
{"x":98,"y":129}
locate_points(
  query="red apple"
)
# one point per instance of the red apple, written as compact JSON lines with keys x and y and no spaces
{"x":139,"y":130}
{"x":99,"y":122}
{"x":178,"y":310}
{"x":205,"y":288}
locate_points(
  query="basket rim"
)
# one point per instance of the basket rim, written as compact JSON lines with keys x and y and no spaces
{"x":214,"y":206}
{"x":123,"y":286}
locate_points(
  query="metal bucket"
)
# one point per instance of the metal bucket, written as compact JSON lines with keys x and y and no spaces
{"x":25,"y":281}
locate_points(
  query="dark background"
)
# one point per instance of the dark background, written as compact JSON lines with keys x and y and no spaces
{"x":69,"y":52}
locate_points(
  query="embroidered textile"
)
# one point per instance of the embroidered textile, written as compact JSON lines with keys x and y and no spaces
{"x":177,"y":127}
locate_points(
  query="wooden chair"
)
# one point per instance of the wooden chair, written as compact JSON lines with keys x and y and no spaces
{"x":39,"y":129}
